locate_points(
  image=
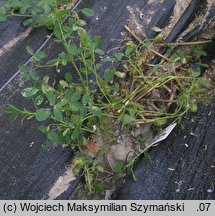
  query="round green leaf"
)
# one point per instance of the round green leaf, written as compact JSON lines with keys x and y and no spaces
{"x":73,"y":49}
{"x":120,"y":74}
{"x":118,"y":56}
{"x":29,"y":92}
{"x":76,"y":133}
{"x":39,"y":55}
{"x":127,"y":119}
{"x":42,"y":114}
{"x":39,"y":100}
{"x":75,"y":106}
{"x":119,"y":166}
{"x":63,"y":83}
{"x":87,"y":12}
{"x":99,"y":51}
{"x":81,"y":22}
{"x":2,"y":14}
{"x":24,"y":69}
{"x":196,"y":72}
{"x":109,"y":74}
{"x":85,"y":99}
{"x":193,"y":107}
{"x":52,"y":136}
{"x":68,"y":77}
{"x":46,"y":7}
{"x":43,"y":128}
{"x":2,"y":10}
{"x":58,"y":114}
{"x":96,"y":111}
{"x":34,"y":76}
{"x":51,"y":97}
{"x":75,"y":97}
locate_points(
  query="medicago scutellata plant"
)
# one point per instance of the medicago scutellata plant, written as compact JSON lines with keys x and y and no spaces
{"x":72,"y":109}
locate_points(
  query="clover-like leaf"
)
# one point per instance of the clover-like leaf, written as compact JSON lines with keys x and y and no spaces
{"x":87,"y":12}
{"x":29,"y":92}
{"x":43,"y":114}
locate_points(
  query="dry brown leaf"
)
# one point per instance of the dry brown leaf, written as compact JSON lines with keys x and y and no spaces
{"x":144,"y":67}
{"x":91,"y":146}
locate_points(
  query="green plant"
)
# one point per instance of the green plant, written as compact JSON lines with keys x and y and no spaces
{"x":73,"y":109}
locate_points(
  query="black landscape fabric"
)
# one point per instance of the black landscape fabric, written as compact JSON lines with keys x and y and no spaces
{"x":27,"y":171}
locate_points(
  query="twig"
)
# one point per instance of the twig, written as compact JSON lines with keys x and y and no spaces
{"x":130,"y":99}
{"x":132,"y":34}
{"x":151,"y":104}
{"x":167,"y":88}
{"x":114,"y":49}
{"x":109,"y":163}
{"x":184,"y":43}
{"x":160,"y":100}
{"x":144,"y":121}
{"x":150,"y":114}
{"x":159,"y":54}
{"x":146,"y":92}
{"x":140,"y":41}
{"x":171,"y":99}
